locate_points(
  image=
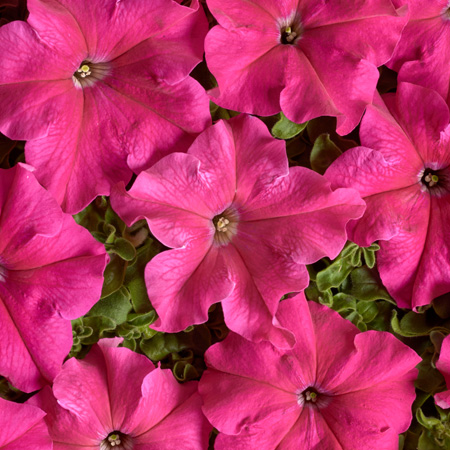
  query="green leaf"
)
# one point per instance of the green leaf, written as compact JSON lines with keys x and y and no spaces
{"x":285,"y":129}
{"x":160,"y":346}
{"x":134,"y":277}
{"x":334,"y":274}
{"x":114,"y":275}
{"x":369,"y":257}
{"x":123,"y":248}
{"x":100,"y":326}
{"x":115,"y":306}
{"x":142,"y":320}
{"x":368,"y":311}
{"x":344,"y":303}
{"x":413,"y":324}
{"x":323,"y":153}
{"x":366,"y":285}
{"x":183,"y":371}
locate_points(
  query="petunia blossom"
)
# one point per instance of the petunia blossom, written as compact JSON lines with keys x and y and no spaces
{"x":22,"y":427}
{"x":307,"y":58}
{"x":423,"y":53}
{"x":242,"y":224}
{"x":51,"y":271}
{"x":403,"y":173}
{"x":115,"y":399}
{"x":99,"y":87}
{"x":334,"y":390}
{"x":443,"y":365}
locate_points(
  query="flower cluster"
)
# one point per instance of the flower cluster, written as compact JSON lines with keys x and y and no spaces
{"x":159,"y":243}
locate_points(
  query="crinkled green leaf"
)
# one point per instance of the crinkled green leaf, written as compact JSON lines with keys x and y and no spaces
{"x":369,"y":257}
{"x":100,"y":325}
{"x":285,"y":129}
{"x":368,"y":310}
{"x":161,"y":345}
{"x":114,"y":275}
{"x":343,"y":303}
{"x":116,"y":306}
{"x":123,"y":248}
{"x":142,"y":320}
{"x":323,"y":153}
{"x":134,"y":277}
{"x":326,"y":298}
{"x":183,"y":371}
{"x":334,"y":274}
{"x":429,"y":379}
{"x":366,"y":285}
{"x":413,"y":324}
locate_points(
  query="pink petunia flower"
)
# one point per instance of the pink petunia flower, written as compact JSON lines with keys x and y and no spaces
{"x":443,"y":365}
{"x":403,"y":174}
{"x":50,"y":272}
{"x":97,"y":85}
{"x":307,"y":58}
{"x":22,"y":427}
{"x":423,"y":53}
{"x":334,"y":390}
{"x":116,"y":399}
{"x":242,"y":226}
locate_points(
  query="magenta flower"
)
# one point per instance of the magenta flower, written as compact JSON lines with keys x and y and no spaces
{"x":403,"y":174}
{"x":22,"y":427}
{"x":99,"y":85}
{"x":242,"y":224}
{"x":50,"y":272}
{"x":303,"y":57}
{"x":116,"y":399}
{"x":334,"y":390}
{"x":443,"y":398}
{"x":423,"y":53}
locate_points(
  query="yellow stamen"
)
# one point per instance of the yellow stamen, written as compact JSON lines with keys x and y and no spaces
{"x":84,"y":68}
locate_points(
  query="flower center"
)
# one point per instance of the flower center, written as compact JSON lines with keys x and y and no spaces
{"x":88,"y":73}
{"x":225,"y":225}
{"x":290,"y":30}
{"x":117,"y":441}
{"x":435,"y":181}
{"x":312,"y":397}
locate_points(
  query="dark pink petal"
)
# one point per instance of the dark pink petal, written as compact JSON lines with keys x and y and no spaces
{"x":58,"y":28}
{"x":168,"y":55}
{"x":443,"y":364}
{"x":67,"y":431}
{"x":22,"y":427}
{"x":250,"y":308}
{"x":157,"y":117}
{"x":174,"y":198}
{"x":28,"y":330}
{"x":168,"y":412}
{"x":265,"y":434}
{"x":422,"y":124}
{"x":184,"y":427}
{"x":126,"y":373}
{"x":112,"y":27}
{"x":359,"y":425}
{"x":312,"y":430}
{"x":225,"y":409}
{"x":257,"y":14}
{"x":309,"y":90}
{"x":356,"y":375}
{"x":309,"y":217}
{"x":336,"y":11}
{"x":246,"y":83}
{"x":74,"y":161}
{"x":420,"y":255}
{"x":50,"y":271}
{"x":183,"y":283}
